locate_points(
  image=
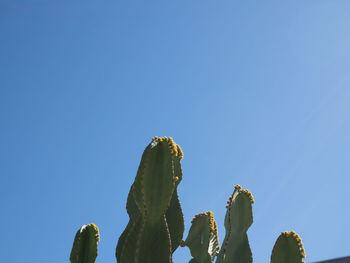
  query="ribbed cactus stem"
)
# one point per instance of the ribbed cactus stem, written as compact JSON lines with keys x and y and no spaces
{"x":84,"y":248}
{"x":213,"y":228}
{"x":288,"y":249}
{"x":156,"y":225}
{"x":156,"y":220}
{"x":202,"y":238}
{"x":238,"y":219}
{"x":174,"y":148}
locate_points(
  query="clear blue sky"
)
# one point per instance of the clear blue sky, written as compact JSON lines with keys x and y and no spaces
{"x":257,"y":93}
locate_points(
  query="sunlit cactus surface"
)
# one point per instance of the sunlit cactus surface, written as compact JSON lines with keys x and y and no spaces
{"x":156,"y":223}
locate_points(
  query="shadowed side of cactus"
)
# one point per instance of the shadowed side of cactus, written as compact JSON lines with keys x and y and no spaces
{"x":156,"y":220}
{"x":175,"y":221}
{"x":202,"y":238}
{"x":288,"y":249}
{"x":133,"y":213}
{"x":84,"y":248}
{"x":238,"y":219}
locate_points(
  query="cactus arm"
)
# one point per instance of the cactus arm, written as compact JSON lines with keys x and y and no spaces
{"x":156,"y":180}
{"x":84,"y":248}
{"x":288,"y":249}
{"x":155,"y":242}
{"x":174,"y":215}
{"x":202,"y":238}
{"x":121,"y":241}
{"x":129,"y":250}
{"x":238,"y":219}
{"x":133,"y":213}
{"x":175,"y":220}
{"x":131,"y":206}
{"x":237,"y":249}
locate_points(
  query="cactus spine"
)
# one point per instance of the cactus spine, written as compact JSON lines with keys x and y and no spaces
{"x":156,"y":225}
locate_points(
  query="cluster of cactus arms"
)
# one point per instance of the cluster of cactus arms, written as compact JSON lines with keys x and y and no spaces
{"x":156,"y":224}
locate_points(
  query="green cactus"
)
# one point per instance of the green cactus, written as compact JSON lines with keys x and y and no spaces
{"x":202,"y":238}
{"x":156,"y":223}
{"x":288,"y":249}
{"x":235,"y":248}
{"x":85,"y":244}
{"x":156,"y":219}
{"x":238,"y":219}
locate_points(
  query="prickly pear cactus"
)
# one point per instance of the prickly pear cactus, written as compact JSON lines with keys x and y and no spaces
{"x":85,"y":244}
{"x":202,"y":239}
{"x":288,"y":249}
{"x":156,"y":226}
{"x":238,"y":219}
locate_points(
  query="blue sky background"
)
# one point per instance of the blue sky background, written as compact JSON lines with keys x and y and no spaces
{"x":256,"y":93}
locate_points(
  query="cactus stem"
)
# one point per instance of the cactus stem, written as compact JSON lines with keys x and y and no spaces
{"x":239,"y":189}
{"x":97,"y":236}
{"x":212,"y":224}
{"x":284,"y":236}
{"x":298,"y":239}
{"x":174,"y":148}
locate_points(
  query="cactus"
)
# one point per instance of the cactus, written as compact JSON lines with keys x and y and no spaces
{"x":202,"y":238}
{"x":238,"y":219}
{"x":85,"y":244}
{"x":235,"y":248}
{"x":156,"y":225}
{"x":288,"y":248}
{"x":156,"y":220}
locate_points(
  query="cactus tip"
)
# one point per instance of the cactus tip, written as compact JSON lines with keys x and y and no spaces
{"x":249,"y":194}
{"x":95,"y":228}
{"x":174,"y":148}
{"x":239,"y":189}
{"x":297,"y":238}
{"x":213,"y":229}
